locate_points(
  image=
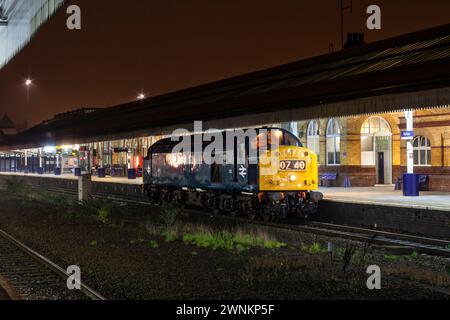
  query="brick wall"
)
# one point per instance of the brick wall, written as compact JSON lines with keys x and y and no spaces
{"x":431,"y":123}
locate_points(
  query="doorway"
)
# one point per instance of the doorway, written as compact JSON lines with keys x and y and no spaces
{"x":376,"y":148}
{"x":383,"y":147}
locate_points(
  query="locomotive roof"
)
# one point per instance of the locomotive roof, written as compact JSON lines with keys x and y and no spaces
{"x":166,"y":145}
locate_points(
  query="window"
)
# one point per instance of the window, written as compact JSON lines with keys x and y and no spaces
{"x":313,"y":137}
{"x":375,"y":125}
{"x":333,"y":143}
{"x":371,"y":127}
{"x":422,"y":151}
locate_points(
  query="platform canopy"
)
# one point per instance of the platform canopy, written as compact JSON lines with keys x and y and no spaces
{"x":19,"y":20}
{"x":409,"y":71}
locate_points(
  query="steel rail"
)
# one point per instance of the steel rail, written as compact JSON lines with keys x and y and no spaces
{"x":50,"y":265}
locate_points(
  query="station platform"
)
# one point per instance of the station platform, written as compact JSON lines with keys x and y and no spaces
{"x":386,"y":196}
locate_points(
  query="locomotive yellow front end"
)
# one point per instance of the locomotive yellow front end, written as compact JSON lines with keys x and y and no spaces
{"x":289,"y":180}
{"x":289,"y":169}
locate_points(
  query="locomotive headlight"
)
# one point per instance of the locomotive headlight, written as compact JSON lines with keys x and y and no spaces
{"x":293,"y":178}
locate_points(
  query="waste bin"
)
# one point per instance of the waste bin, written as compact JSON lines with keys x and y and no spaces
{"x":411,"y":185}
{"x":131,"y":174}
{"x":57,"y":171}
{"x":77,"y":172}
{"x":101,"y":173}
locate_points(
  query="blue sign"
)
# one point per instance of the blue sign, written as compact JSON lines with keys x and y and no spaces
{"x":407,"y":135}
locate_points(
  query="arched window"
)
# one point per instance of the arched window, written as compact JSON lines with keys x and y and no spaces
{"x":375,"y":125}
{"x":313,"y":137}
{"x":372,"y":127}
{"x":422,"y":151}
{"x":333,"y":143}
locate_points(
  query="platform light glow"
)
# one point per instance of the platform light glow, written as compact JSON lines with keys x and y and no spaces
{"x":49,"y":149}
{"x":28,"y":82}
{"x":141,"y":96}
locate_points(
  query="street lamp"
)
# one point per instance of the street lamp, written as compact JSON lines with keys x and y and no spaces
{"x":28,"y":83}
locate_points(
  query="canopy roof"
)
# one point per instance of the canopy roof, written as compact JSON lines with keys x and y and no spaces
{"x":409,"y":71}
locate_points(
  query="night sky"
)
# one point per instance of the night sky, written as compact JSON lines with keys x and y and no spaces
{"x":166,"y":45}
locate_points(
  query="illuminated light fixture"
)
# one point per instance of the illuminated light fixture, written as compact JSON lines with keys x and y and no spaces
{"x":49,"y":149}
{"x":175,"y":160}
{"x":141,"y":96}
{"x":278,"y":133}
{"x":67,"y":147}
{"x":293,"y":178}
{"x":28,"y":82}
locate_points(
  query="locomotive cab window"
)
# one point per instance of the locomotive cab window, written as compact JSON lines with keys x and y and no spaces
{"x":283,"y":138}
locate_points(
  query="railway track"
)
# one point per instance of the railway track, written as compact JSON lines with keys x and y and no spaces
{"x":421,"y":245}
{"x":26,"y":274}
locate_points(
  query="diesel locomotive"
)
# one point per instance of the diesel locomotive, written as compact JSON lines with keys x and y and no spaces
{"x":276,"y":176}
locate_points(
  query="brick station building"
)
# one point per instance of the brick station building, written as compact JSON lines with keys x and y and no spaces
{"x":354,"y":146}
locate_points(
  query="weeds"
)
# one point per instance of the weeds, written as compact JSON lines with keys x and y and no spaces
{"x":152,"y":244}
{"x":170,"y":235}
{"x":228,"y":241}
{"x":104,"y":214}
{"x":286,"y":268}
{"x":316,"y":248}
{"x":169,"y":213}
{"x":346,"y":261}
{"x":390,"y":257}
{"x":440,"y":279}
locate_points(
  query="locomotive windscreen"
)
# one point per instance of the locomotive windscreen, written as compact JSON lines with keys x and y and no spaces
{"x":285,"y":138}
